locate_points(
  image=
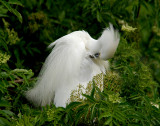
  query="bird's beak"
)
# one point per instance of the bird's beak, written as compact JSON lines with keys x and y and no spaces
{"x":96,"y":55}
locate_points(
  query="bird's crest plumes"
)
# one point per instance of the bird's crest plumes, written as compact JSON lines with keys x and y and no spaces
{"x":109,"y":41}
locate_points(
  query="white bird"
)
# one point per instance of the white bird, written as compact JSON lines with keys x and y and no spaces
{"x":75,"y":59}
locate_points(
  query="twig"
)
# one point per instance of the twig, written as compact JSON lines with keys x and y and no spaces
{"x":21,"y":80}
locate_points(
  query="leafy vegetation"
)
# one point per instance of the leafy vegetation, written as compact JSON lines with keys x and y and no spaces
{"x":131,"y":88}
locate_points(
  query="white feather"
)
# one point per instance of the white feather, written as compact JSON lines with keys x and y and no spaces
{"x":109,"y":41}
{"x":69,"y":64}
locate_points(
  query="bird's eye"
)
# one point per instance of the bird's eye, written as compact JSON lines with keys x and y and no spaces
{"x":96,"y":55}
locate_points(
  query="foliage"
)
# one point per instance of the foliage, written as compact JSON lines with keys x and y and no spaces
{"x":131,"y":88}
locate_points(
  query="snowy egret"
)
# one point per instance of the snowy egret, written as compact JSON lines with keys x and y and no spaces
{"x":75,"y":59}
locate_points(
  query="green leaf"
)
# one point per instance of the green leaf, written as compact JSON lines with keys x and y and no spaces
{"x":49,"y":4}
{"x":4,"y":122}
{"x":99,"y":92}
{"x":4,"y":103}
{"x":62,"y":16}
{"x":109,"y":120}
{"x":115,"y":122}
{"x":91,"y":99}
{"x":3,"y":11}
{"x":87,"y":112}
{"x":79,"y":116}
{"x":99,"y":18}
{"x":93,"y":89}
{"x":119,"y":116}
{"x":17,"y":14}
{"x":106,"y":114}
{"x":3,"y":44}
{"x":12,"y":10}
{"x":72,"y":105}
{"x":16,"y":2}
{"x":93,"y":111}
{"x":8,"y":112}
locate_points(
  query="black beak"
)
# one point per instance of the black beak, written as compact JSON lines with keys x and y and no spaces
{"x":96,"y":55}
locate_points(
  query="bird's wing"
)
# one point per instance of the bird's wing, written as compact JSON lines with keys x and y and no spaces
{"x":59,"y":72}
